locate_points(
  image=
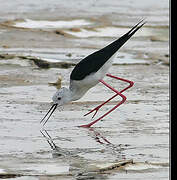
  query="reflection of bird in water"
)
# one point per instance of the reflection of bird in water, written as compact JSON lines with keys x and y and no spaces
{"x":114,"y":150}
{"x":86,"y":168}
{"x":56,"y":150}
{"x":98,"y":137}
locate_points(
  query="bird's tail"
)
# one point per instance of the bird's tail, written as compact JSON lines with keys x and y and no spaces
{"x":121,"y":41}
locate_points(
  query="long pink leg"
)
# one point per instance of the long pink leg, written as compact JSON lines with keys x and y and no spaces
{"x":117,"y":93}
{"x":98,"y":107}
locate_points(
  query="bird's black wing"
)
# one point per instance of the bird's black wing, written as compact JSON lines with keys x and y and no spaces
{"x":95,"y":61}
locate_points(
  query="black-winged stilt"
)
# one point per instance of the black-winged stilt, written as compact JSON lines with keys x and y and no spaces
{"x":89,"y":72}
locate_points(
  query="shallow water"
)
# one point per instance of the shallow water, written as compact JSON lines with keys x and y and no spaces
{"x":137,"y":133}
{"x":28,"y":23}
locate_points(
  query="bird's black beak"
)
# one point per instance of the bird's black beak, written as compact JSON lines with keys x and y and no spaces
{"x":50,"y":112}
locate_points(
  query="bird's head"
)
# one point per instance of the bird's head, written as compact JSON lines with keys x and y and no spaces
{"x":61,"y":97}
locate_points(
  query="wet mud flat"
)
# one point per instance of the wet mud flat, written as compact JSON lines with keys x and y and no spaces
{"x":38,"y":51}
{"x":131,"y":142}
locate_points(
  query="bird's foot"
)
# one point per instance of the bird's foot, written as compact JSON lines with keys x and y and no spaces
{"x":86,"y":125}
{"x":95,"y":109}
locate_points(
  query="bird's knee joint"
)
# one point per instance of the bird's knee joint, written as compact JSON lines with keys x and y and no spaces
{"x":124,"y":98}
{"x":131,"y":83}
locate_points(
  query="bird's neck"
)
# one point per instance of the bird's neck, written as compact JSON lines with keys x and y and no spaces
{"x":76,"y":94}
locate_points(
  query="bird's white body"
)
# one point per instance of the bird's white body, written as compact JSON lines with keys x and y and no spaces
{"x":79,"y":88}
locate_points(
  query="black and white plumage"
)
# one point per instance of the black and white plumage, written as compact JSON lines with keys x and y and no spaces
{"x":89,"y":71}
{"x":96,"y":60}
